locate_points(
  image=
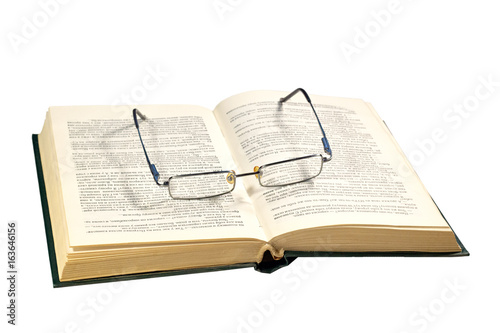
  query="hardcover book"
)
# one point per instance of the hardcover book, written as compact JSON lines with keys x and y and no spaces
{"x":106,"y":218}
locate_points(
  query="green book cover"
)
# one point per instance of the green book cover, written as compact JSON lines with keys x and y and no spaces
{"x":268,"y":264}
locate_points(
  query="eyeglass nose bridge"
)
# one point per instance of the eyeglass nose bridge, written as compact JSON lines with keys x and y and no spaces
{"x":256,"y":172}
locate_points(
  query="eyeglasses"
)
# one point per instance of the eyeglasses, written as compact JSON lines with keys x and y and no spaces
{"x":215,"y":183}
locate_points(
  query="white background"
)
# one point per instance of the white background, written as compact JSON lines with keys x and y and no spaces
{"x":413,"y":67}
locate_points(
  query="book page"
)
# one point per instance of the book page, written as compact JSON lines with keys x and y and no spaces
{"x":361,"y":185}
{"x":110,"y":196}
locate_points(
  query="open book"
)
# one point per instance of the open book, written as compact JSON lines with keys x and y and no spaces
{"x":108,"y":217}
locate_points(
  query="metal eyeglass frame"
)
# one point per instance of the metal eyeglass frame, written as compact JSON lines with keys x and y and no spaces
{"x":257,"y":170}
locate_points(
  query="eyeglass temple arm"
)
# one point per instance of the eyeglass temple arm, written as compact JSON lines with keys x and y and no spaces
{"x":152,"y":167}
{"x":324,"y":140}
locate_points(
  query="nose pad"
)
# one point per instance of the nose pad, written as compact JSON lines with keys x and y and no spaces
{"x":256,"y":169}
{"x":230,"y":178}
